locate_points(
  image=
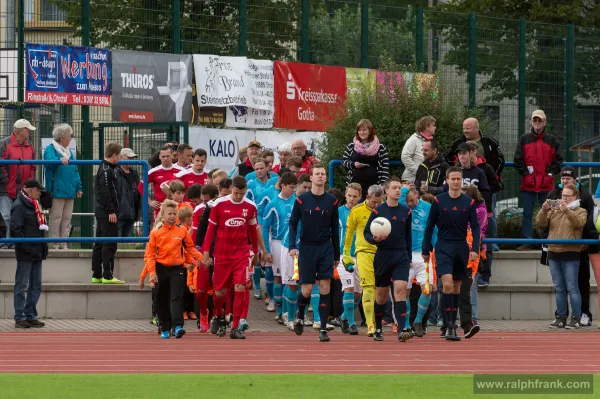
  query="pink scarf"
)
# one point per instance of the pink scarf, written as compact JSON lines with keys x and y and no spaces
{"x":41,"y":219}
{"x":368,"y":149}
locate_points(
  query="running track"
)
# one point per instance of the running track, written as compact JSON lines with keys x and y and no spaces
{"x":488,"y":352}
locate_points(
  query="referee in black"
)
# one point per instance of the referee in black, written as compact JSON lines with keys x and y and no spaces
{"x":319,"y":246}
{"x":452,"y":212}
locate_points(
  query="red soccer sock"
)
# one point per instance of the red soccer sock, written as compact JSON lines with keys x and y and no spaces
{"x":219,"y":301}
{"x":246,"y":303}
{"x":229,"y":302}
{"x":202,"y":298}
{"x":238,"y":308}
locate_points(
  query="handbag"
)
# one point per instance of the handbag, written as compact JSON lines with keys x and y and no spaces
{"x":46,"y":196}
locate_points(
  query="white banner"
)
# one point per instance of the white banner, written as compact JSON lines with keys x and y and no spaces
{"x":225,"y":81}
{"x":249,"y":118}
{"x":223,"y":145}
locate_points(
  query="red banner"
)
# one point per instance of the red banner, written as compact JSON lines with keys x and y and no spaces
{"x":307,"y":96}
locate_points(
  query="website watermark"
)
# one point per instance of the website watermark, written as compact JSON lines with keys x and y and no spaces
{"x":579,"y":384}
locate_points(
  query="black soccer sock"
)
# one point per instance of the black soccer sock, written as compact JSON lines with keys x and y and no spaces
{"x":447,"y":302}
{"x":302,"y":304}
{"x":400,"y":313}
{"x":455,"y":299}
{"x":324,"y":301}
{"x":379,"y":310}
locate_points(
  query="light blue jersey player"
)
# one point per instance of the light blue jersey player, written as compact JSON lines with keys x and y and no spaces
{"x":275,"y":229}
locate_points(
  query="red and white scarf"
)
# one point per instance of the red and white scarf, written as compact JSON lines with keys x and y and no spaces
{"x":41,"y":219}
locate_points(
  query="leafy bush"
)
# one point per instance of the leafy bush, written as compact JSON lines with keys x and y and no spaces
{"x":509,"y":223}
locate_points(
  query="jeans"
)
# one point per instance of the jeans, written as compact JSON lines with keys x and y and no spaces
{"x":5,"y":205}
{"x":29,"y":275}
{"x":565,"y":275}
{"x":474,"y":298}
{"x":125,"y":227}
{"x":528,"y":198}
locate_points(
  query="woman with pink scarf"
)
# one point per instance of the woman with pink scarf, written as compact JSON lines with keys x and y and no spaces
{"x":365,"y":158}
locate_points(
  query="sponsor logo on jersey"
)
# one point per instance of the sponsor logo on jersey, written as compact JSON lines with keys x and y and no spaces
{"x":235,"y":222}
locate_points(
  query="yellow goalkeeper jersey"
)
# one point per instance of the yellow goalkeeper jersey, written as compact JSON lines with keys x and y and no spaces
{"x":357,"y":220}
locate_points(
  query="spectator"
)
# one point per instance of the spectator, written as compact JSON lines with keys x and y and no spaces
{"x":127,"y":181}
{"x":154,"y":160}
{"x":184,"y":156}
{"x":537,"y":159}
{"x":365,"y":158}
{"x":565,"y":222}
{"x":15,"y":146}
{"x":28,"y":220}
{"x":63,"y":182}
{"x":412,"y":153}
{"x":594,"y":250}
{"x":471,"y":173}
{"x":294,"y":164}
{"x":567,"y":176}
{"x":431,"y":173}
{"x":284,"y":151}
{"x":254,"y":148}
{"x":107,"y":209}
{"x":308,"y":158}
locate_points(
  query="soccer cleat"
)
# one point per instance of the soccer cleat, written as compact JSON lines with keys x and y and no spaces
{"x":185,"y":316}
{"x":154,"y":320}
{"x":236,"y":334}
{"x":214,"y":325}
{"x":192,"y":316}
{"x":113,"y":280}
{"x":323,"y":337}
{"x":336,"y":322}
{"x":309,"y":322}
{"x":228,"y":319}
{"x":298,"y":326}
{"x":271,"y":306}
{"x":316,"y":325}
{"x":257,"y":294}
{"x":203,"y":324}
{"x":575,"y":323}
{"x":353,"y":329}
{"x":371,"y":331}
{"x":284,"y":317}
{"x":559,"y":322}
{"x":165,"y":335}
{"x":404,"y":335}
{"x":267,"y":299}
{"x":179,"y":332}
{"x":451,"y":334}
{"x":418,"y":327}
{"x":378,"y":335}
{"x":290,"y":325}
{"x":222,"y":328}
{"x":279,"y":319}
{"x":471,"y":330}
{"x":96,"y":280}
{"x":345,"y":327}
{"x":243,"y":326}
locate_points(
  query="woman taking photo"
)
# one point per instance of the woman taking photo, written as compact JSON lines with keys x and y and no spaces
{"x":565,"y":219}
{"x":365,"y":158}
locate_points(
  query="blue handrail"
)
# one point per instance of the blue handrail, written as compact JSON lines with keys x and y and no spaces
{"x":145,"y":169}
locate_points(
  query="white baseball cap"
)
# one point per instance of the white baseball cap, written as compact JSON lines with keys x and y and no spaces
{"x":128,"y":152}
{"x":539,"y":113}
{"x":23,"y":123}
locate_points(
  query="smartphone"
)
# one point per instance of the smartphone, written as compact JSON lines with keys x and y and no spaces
{"x":554,"y":203}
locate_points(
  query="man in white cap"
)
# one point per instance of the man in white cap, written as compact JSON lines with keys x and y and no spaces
{"x":12,"y":177}
{"x":538,"y":160}
{"x":127,"y":180}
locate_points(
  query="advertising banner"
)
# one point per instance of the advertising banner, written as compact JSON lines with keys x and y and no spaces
{"x":356,"y":78}
{"x":67,"y":75}
{"x":252,"y":118}
{"x":307,"y":96}
{"x":151,"y":87}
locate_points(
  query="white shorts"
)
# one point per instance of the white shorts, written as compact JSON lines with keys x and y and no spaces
{"x":276,"y":252}
{"x":349,"y":280}
{"x":287,"y":267}
{"x":417,"y":270}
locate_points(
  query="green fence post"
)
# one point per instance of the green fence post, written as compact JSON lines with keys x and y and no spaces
{"x":435,"y":51}
{"x":305,"y":32}
{"x":472,"y":61}
{"x":87,"y":138}
{"x":419,"y":38}
{"x":364,"y":34}
{"x":522,"y":74}
{"x":243,"y":48}
{"x":176,"y":35}
{"x":21,"y":59}
{"x":570,"y":90}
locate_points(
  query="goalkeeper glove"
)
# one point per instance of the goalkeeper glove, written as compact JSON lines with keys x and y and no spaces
{"x":348,"y":263}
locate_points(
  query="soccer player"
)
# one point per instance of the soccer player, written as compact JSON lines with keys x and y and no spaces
{"x":319,"y":246}
{"x":365,"y":251}
{"x":195,"y":174}
{"x":160,"y":177}
{"x":392,"y":259}
{"x":276,"y":221}
{"x":234,"y":219}
{"x":348,"y":276}
{"x":452,"y":212}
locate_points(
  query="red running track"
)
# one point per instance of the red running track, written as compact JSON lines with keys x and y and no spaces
{"x":488,"y":352}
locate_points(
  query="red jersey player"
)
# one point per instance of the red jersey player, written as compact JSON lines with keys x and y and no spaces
{"x":234,"y":218}
{"x":160,"y":177}
{"x":195,"y":174}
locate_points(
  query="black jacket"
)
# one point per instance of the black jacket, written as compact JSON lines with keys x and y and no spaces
{"x":491,"y":150}
{"x":24,"y":223}
{"x":107,"y":200}
{"x":128,"y":194}
{"x":434,"y":174}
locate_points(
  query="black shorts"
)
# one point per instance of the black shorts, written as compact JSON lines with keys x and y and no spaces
{"x":452,"y":257}
{"x":390,"y":266}
{"x":315,"y":262}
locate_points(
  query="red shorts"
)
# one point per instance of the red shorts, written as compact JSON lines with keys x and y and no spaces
{"x":203,"y":279}
{"x":230,"y":271}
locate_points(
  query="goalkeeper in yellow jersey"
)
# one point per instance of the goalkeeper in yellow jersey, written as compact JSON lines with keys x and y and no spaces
{"x":365,"y":252}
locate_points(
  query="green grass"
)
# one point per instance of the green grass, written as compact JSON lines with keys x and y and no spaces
{"x":255,"y":386}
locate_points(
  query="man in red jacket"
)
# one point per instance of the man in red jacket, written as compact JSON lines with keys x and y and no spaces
{"x":537,"y":159}
{"x":12,"y":177}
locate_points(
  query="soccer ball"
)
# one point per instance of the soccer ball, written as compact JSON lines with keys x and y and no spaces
{"x":380,"y":227}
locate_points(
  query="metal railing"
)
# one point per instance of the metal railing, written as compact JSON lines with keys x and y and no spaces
{"x":145,"y":169}
{"x":531,"y":241}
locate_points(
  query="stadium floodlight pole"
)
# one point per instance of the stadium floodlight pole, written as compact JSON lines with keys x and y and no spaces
{"x":145,"y":170}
